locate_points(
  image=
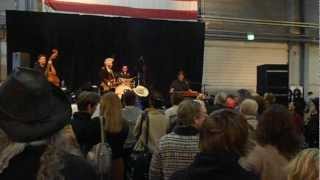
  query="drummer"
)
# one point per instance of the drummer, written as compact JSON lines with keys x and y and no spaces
{"x":125,"y":72}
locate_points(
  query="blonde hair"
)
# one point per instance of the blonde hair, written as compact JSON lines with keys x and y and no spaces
{"x":110,"y":110}
{"x":187,"y":111}
{"x":220,"y":98}
{"x":249,"y":107}
{"x":305,"y":165}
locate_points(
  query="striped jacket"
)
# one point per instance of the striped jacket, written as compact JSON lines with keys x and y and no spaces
{"x":176,"y":151}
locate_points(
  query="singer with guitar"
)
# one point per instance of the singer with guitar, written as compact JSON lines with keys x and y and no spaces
{"x":109,"y":79}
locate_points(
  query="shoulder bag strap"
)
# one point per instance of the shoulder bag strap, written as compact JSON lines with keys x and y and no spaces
{"x":143,"y":117}
{"x":147,"y":128}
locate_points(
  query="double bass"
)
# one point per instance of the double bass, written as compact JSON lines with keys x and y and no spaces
{"x":51,"y":72}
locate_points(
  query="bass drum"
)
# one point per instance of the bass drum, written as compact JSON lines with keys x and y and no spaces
{"x":121,"y":89}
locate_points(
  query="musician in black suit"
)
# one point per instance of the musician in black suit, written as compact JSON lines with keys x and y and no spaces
{"x":107,"y":75}
{"x":180,"y":84}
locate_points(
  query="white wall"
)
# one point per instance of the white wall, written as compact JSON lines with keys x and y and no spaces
{"x":231,"y":65}
{"x":311,"y":69}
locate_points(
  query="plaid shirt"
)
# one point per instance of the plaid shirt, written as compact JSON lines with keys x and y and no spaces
{"x":176,"y":151}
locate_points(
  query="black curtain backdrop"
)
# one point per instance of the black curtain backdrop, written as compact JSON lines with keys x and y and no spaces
{"x":85,"y":41}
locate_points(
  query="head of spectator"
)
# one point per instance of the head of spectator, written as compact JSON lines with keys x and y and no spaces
{"x":249,"y":107}
{"x":242,"y":94}
{"x":220,"y":99}
{"x":88,"y":101}
{"x":176,"y":99}
{"x":269,"y":99}
{"x":110,"y":110}
{"x":129,"y":98}
{"x":276,"y":128}
{"x":191,"y":113}
{"x":305,"y":165}
{"x":224,"y":131}
{"x":231,"y":102}
{"x":261,"y":103}
{"x":156,"y":100}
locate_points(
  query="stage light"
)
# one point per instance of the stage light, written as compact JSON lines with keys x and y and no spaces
{"x":250,"y":36}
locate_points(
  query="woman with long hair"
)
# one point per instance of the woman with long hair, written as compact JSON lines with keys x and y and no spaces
{"x":277,"y":143}
{"x":305,"y":166}
{"x":116,"y":131}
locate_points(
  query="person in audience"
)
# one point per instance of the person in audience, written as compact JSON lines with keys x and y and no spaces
{"x":220,"y":101}
{"x":116,"y":130}
{"x":249,"y":109}
{"x":305,"y":166}
{"x":177,"y":150}
{"x":312,"y":127}
{"x":261,"y":103}
{"x":298,"y":113}
{"x":171,"y":113}
{"x":231,"y":102}
{"x":35,"y":143}
{"x":269,"y":99}
{"x":158,"y":123}
{"x":277,"y":143}
{"x":242,"y":94}
{"x":130,"y":114}
{"x":87,"y":130}
{"x":223,"y":139}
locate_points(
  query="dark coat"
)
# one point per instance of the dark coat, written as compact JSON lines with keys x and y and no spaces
{"x":87,"y":130}
{"x":312,"y":132}
{"x":26,"y":165}
{"x":116,"y":142}
{"x":218,"y":166}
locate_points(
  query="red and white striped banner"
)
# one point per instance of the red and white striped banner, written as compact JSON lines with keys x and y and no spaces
{"x":154,"y":9}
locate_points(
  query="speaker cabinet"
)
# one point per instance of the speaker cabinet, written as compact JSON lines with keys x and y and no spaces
{"x":274,"y":78}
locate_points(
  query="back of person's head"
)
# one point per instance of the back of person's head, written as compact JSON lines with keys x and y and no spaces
{"x":224,"y":131}
{"x":86,"y":99}
{"x":261,"y":103}
{"x":243,"y":94}
{"x":305,"y":166}
{"x":176,"y":98}
{"x":156,"y":100}
{"x":188,"y":110}
{"x":249,"y":107}
{"x":276,"y":127}
{"x":220,"y":98}
{"x":269,"y":99}
{"x":110,"y":110}
{"x":129,"y":98}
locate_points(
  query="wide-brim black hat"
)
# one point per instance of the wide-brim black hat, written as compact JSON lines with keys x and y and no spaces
{"x":30,"y":107}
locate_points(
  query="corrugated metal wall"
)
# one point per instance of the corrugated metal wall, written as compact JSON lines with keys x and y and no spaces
{"x":231,"y":65}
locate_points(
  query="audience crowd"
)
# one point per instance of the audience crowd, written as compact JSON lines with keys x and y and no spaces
{"x":227,"y":136}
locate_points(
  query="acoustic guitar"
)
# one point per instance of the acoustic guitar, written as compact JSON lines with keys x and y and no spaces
{"x":51,"y":71}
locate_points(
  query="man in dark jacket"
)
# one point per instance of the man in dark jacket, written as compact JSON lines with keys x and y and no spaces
{"x":87,"y":130}
{"x":223,"y":140}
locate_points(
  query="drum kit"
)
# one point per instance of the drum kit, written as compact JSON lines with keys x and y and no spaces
{"x":129,"y":84}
